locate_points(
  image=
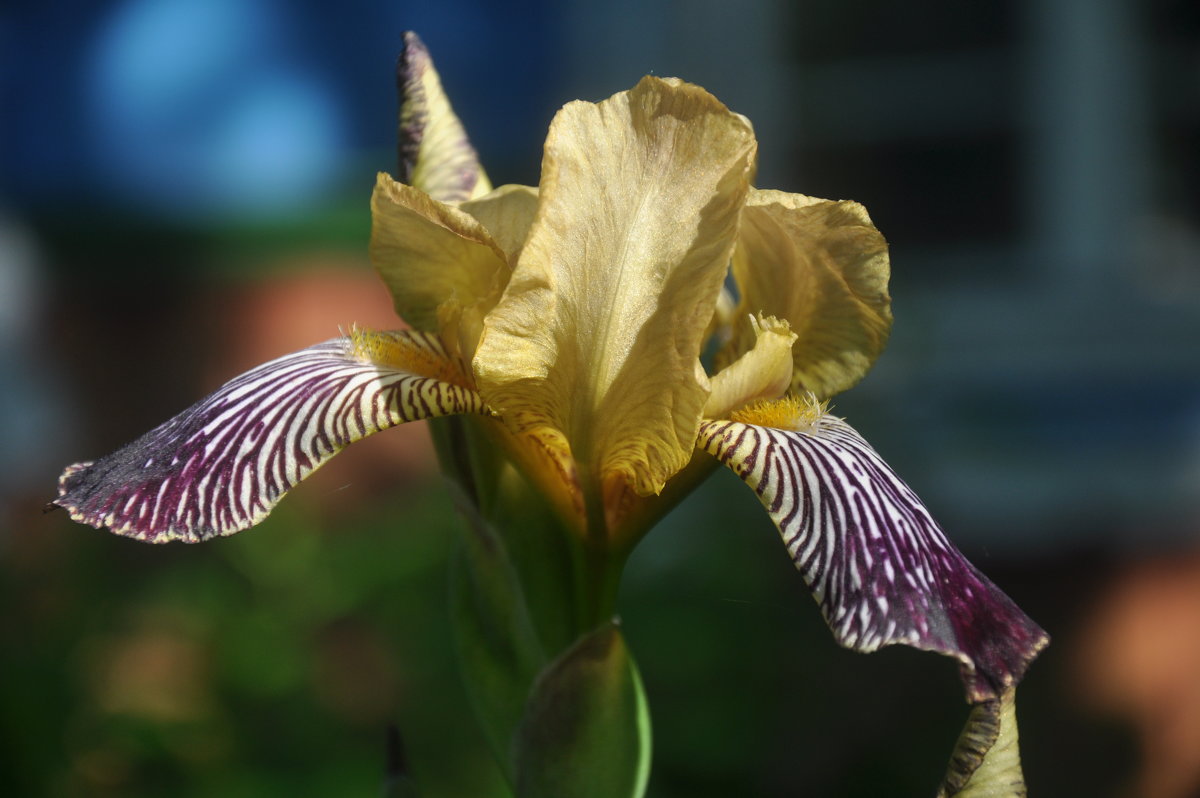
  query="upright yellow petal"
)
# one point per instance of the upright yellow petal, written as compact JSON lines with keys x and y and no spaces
{"x":598,"y":334}
{"x":428,"y":253}
{"x":506,"y":214}
{"x":435,"y":154}
{"x":823,"y":267}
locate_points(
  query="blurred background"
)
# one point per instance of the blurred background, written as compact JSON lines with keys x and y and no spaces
{"x":183,"y":195}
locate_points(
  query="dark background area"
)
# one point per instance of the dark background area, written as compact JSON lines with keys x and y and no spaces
{"x":183,"y":195}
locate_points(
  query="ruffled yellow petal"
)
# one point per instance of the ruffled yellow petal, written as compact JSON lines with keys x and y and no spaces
{"x":429,"y":253}
{"x":599,"y":331}
{"x":435,"y":154}
{"x":823,"y":267}
{"x":506,"y":214}
{"x":765,"y":372}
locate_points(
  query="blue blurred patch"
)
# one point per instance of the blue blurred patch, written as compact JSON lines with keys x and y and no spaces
{"x":199,"y":109}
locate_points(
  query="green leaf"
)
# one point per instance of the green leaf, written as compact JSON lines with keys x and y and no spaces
{"x":541,"y":552}
{"x":499,"y":651}
{"x":986,"y":762}
{"x":586,"y":729}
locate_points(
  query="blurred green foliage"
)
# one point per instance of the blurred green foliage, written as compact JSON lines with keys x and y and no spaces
{"x":265,"y":664}
{"x":272,"y":664}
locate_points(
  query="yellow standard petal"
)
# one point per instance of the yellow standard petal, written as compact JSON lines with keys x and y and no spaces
{"x":823,"y":267}
{"x":506,"y":214}
{"x":594,"y":347}
{"x":428,"y":253}
{"x":435,"y":154}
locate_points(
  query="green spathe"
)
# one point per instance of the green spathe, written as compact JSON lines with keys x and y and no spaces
{"x":987,"y":760}
{"x":586,"y":729}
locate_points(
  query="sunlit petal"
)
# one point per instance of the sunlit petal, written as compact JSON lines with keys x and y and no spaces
{"x":823,"y":267}
{"x":428,"y":253}
{"x":435,"y":154}
{"x":878,"y":565}
{"x":987,"y":759}
{"x":222,"y":465}
{"x":599,"y":332}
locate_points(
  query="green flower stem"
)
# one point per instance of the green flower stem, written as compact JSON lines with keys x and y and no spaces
{"x":599,"y":562}
{"x":552,"y":684}
{"x":597,"y":579}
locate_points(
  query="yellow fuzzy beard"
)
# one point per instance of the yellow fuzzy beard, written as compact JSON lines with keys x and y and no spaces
{"x":790,"y":413}
{"x":402,"y":354}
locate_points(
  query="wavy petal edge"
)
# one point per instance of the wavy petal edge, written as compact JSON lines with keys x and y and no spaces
{"x":223,"y":464}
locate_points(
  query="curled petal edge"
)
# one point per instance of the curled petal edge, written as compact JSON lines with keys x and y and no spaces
{"x":878,"y":565}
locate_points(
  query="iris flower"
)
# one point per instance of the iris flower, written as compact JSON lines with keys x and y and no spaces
{"x":571,"y":319}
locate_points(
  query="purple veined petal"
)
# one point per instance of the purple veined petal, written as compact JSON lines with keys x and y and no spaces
{"x":435,"y":154}
{"x":221,"y":465}
{"x":877,"y":563}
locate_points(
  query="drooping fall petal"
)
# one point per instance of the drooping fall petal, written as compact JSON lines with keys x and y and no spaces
{"x":435,"y":154}
{"x":595,"y":344}
{"x":222,"y":465}
{"x":823,"y":267}
{"x":877,"y":563}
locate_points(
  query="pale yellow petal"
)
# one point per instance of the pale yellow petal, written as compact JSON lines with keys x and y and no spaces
{"x":765,"y":372}
{"x":823,"y":267}
{"x":429,"y":253}
{"x":599,"y":331}
{"x":435,"y":154}
{"x":506,"y":214}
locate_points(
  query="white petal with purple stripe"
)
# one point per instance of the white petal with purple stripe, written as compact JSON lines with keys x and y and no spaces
{"x":222,"y":464}
{"x":878,"y":565}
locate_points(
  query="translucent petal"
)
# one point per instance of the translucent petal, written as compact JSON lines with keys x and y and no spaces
{"x":435,"y":154}
{"x":506,"y":214}
{"x":878,"y":565}
{"x":221,"y":465}
{"x":823,"y":267}
{"x":599,"y":331}
{"x":428,"y":253}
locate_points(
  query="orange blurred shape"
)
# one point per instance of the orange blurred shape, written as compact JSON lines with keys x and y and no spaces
{"x":155,"y":674}
{"x":1140,"y":659}
{"x":356,"y":675}
{"x":301,"y":302}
